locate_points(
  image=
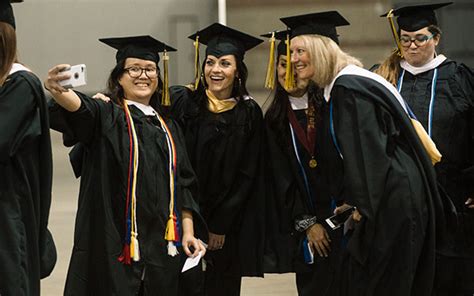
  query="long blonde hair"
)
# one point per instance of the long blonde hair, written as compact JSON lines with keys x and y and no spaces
{"x":327,"y":58}
{"x":7,"y":50}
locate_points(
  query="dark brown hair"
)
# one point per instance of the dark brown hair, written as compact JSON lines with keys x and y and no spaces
{"x":115,"y":90}
{"x":7,"y":50}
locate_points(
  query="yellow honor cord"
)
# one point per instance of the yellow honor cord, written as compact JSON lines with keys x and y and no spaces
{"x":270,"y":78}
{"x":197,"y":70}
{"x":134,"y":245}
{"x":165,"y":97}
{"x":289,"y":77}
{"x":394,"y":32}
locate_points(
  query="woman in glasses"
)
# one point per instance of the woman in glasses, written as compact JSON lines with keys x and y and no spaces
{"x":135,"y":202}
{"x":440,"y":93}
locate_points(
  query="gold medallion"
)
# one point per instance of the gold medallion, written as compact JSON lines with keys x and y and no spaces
{"x":313,"y":163}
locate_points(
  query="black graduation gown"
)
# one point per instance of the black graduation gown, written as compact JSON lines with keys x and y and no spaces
{"x":225,"y":152}
{"x":387,"y":175}
{"x":453,"y":133}
{"x":102,"y":130}
{"x":287,"y":199}
{"x":27,"y":251}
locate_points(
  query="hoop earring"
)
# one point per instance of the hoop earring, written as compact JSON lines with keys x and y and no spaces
{"x":203,"y":80}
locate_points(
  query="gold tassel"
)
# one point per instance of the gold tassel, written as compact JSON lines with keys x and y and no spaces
{"x":165,"y":97}
{"x":289,"y":77}
{"x":394,"y":32}
{"x":427,"y":142}
{"x":135,"y":248}
{"x":170,"y":235}
{"x":197,"y":69}
{"x":270,"y":78}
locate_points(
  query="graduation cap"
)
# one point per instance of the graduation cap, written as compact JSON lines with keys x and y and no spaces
{"x":142,"y":47}
{"x":222,"y":40}
{"x":416,"y":16}
{"x":145,"y":48}
{"x":6,"y":12}
{"x":272,"y":59}
{"x":319,"y":23}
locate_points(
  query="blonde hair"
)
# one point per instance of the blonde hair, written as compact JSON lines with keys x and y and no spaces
{"x":7,"y":50}
{"x":327,"y":58}
{"x":389,"y":69}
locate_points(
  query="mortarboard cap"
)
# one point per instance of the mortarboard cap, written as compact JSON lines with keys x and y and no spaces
{"x":222,"y":40}
{"x":320,"y":23}
{"x":6,"y":12}
{"x":417,"y":16}
{"x":142,"y":47}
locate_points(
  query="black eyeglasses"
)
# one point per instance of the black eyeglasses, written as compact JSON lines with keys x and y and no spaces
{"x":136,"y":72}
{"x":419,"y":40}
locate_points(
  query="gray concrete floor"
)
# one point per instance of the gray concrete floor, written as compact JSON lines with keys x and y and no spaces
{"x":61,"y":223}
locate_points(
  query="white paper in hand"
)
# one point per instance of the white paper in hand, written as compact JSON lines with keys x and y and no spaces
{"x":191,"y":262}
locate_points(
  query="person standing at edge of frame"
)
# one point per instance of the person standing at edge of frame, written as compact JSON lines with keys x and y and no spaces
{"x":27,"y":250}
{"x":440,"y":92}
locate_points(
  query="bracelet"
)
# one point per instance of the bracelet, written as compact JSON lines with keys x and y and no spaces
{"x":305,"y":223}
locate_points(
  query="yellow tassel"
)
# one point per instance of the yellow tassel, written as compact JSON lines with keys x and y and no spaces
{"x":165,"y":98}
{"x":197,"y":69}
{"x":134,"y":248}
{"x":427,"y":142}
{"x":394,"y":33}
{"x":289,"y":77}
{"x":270,"y":78}
{"x":169,"y":234}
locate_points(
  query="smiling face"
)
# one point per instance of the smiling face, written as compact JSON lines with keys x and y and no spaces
{"x":301,"y":60}
{"x":220,"y":74}
{"x":419,"y":55}
{"x":139,"y":89}
{"x":281,"y":75}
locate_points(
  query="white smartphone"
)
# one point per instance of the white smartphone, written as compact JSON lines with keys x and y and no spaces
{"x":337,"y":220}
{"x":78,"y":76}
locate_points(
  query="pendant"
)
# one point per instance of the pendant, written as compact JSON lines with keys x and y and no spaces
{"x":313,"y":163}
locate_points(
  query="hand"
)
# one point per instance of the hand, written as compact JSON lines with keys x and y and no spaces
{"x":216,"y":241}
{"x":101,"y":96}
{"x":319,"y":239}
{"x":341,"y":209}
{"x":356,"y":216}
{"x":189,"y":241}
{"x":54,"y":77}
{"x":470,"y":203}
